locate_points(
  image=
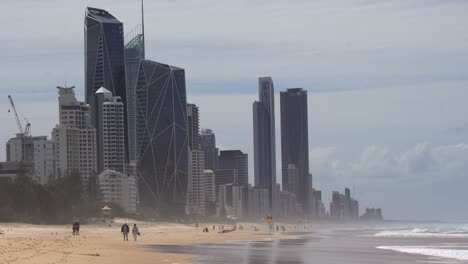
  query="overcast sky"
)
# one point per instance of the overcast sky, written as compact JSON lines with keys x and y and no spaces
{"x":387,"y":82}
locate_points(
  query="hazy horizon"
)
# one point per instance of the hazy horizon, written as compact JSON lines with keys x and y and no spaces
{"x":386,"y":81}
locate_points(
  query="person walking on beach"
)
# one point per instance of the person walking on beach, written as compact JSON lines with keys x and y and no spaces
{"x":125,"y":230}
{"x":135,"y":232}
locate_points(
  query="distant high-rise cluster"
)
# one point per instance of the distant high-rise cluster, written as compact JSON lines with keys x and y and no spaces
{"x":344,"y":207}
{"x":136,"y":138}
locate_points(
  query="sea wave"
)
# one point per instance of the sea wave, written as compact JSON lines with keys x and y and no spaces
{"x":425,"y":232}
{"x":441,"y":252}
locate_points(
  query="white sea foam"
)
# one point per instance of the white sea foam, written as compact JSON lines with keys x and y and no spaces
{"x":440,"y":252}
{"x":422,"y":232}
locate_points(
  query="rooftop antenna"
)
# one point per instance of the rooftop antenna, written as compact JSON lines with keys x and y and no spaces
{"x":143,"y":27}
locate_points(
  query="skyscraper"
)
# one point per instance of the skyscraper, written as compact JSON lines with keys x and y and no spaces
{"x":134,"y":52}
{"x":196,"y":191}
{"x":193,"y":121}
{"x":295,"y":143}
{"x":74,"y":137}
{"x":235,"y":159}
{"x":104,"y":58}
{"x":162,"y":137}
{"x":208,"y":145}
{"x":110,"y":131}
{"x":264,"y":138}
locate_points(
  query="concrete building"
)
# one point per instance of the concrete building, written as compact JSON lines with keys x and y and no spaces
{"x":295,"y":143}
{"x":38,"y":150}
{"x":264,"y":138}
{"x":372,"y":214}
{"x":110,"y":129}
{"x":258,"y":201}
{"x":344,"y":207}
{"x":224,"y":176}
{"x":208,"y":145}
{"x":9,"y":170}
{"x":230,"y":201}
{"x":235,"y":159}
{"x":118,"y":188}
{"x":288,"y":207}
{"x":197,"y":183}
{"x":74,"y":137}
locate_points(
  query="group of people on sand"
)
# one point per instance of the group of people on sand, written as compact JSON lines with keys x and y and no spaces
{"x":125,"y":230}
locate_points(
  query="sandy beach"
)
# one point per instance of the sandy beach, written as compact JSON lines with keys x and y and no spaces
{"x":36,"y":244}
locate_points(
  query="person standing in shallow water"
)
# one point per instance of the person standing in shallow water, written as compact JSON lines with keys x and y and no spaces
{"x":125,"y":230}
{"x":135,"y":232}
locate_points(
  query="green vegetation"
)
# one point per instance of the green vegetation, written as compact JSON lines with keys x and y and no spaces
{"x":62,"y":200}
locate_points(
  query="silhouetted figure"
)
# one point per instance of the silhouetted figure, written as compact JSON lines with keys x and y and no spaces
{"x":125,"y":230}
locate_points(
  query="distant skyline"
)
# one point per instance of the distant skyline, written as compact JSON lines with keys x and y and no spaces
{"x":386,"y":81}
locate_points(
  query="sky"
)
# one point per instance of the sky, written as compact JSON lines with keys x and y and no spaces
{"x":387,"y":83}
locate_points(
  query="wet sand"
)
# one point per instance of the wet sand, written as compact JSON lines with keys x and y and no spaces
{"x":327,"y":247}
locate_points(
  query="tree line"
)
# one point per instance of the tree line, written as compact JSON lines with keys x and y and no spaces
{"x":60,"y":201}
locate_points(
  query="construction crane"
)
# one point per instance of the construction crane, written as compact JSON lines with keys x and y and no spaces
{"x":25,"y":132}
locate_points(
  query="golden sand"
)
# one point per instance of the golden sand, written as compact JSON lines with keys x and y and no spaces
{"x":104,"y":244}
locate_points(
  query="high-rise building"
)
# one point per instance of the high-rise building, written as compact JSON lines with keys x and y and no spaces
{"x":104,"y":60}
{"x":162,"y":137}
{"x":295,"y":143}
{"x":235,"y":159}
{"x":208,"y":145}
{"x":38,"y":150}
{"x":258,"y":201}
{"x":134,"y":52}
{"x":264,"y":138}
{"x":223,"y":177}
{"x":74,"y":137}
{"x":230,"y":200}
{"x":344,"y":207}
{"x":196,"y":188}
{"x":110,"y":131}
{"x":210,"y":186}
{"x":193,"y":121}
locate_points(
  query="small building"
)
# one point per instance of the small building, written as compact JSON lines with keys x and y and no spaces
{"x":118,"y":188}
{"x":9,"y":170}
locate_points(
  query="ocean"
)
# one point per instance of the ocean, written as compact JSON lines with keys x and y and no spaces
{"x":386,"y":243}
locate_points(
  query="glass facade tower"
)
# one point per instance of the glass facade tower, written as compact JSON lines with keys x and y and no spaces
{"x":134,"y":53}
{"x":104,"y":59}
{"x":295,"y":144}
{"x":162,"y":137}
{"x":264,"y":139}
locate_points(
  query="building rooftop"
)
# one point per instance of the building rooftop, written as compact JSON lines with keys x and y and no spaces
{"x":101,"y":15}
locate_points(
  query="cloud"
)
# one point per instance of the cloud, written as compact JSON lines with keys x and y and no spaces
{"x":407,"y":183}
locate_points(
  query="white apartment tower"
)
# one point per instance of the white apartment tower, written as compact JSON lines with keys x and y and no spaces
{"x":74,"y":137}
{"x":38,"y":150}
{"x":110,"y":131}
{"x":196,"y":188}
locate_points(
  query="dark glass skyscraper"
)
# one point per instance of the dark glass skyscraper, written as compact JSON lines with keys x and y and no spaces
{"x":208,"y":145}
{"x":104,"y":58}
{"x":235,"y":159}
{"x":134,"y":53}
{"x":295,"y":143}
{"x":193,"y":122}
{"x":264,"y":138}
{"x":162,"y":137}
